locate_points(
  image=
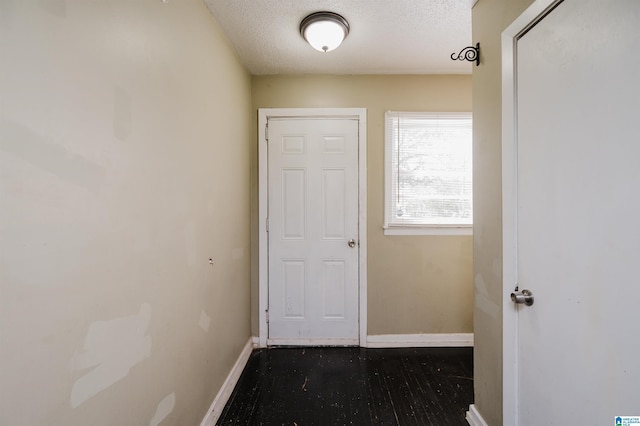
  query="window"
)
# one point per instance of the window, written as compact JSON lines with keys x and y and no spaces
{"x":428,"y":173}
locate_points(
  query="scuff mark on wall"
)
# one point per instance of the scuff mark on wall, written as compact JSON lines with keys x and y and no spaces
{"x":496,"y":267}
{"x":482,"y":300}
{"x":113,"y":348}
{"x":205,"y":321}
{"x":165,"y":407}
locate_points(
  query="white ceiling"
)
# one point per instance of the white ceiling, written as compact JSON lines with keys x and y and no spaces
{"x":387,"y":36}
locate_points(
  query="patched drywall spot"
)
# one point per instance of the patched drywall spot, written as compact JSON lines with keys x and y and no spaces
{"x":480,"y":285}
{"x":22,"y":142}
{"x":55,"y":7}
{"x":122,"y":121}
{"x":205,"y":321}
{"x":482,"y":301}
{"x":165,"y":407}
{"x":112,"y":348}
{"x":487,"y":306}
{"x":496,"y":267}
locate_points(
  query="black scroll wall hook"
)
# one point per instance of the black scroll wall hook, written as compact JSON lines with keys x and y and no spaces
{"x":469,"y":53}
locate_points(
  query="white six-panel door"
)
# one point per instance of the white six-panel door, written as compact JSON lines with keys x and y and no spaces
{"x":313,"y":231}
{"x":571,"y":214}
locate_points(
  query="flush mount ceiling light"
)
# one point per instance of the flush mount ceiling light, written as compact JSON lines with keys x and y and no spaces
{"x":324,"y":31}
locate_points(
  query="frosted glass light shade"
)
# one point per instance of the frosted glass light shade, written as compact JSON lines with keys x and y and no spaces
{"x":324,"y":31}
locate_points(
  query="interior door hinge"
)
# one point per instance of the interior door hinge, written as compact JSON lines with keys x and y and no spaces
{"x":266,"y":132}
{"x":267,"y":312}
{"x":267,"y":224}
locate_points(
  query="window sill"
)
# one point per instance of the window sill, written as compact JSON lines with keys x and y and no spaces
{"x":428,"y":230}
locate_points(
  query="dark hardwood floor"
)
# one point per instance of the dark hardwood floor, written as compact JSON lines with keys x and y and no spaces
{"x":353,"y":386}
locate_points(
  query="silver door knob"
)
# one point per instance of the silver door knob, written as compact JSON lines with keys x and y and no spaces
{"x":352,"y":243}
{"x":522,"y":297}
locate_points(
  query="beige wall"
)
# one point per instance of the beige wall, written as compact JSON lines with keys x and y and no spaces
{"x":124,"y":166}
{"x":416,"y":284}
{"x":490,"y":18}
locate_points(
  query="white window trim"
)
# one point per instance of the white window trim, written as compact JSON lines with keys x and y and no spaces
{"x":427,"y":229}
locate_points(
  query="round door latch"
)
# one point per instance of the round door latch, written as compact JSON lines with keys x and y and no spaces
{"x":522,"y":297}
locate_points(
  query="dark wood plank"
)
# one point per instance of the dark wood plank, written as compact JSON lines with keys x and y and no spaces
{"x":353,"y":386}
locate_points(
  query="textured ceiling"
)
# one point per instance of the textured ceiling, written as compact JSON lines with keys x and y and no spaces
{"x":387,"y":36}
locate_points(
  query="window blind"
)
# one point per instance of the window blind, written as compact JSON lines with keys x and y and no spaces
{"x":428,"y":169}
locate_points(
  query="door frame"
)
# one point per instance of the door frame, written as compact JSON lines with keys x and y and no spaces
{"x":264,"y":114}
{"x":510,"y":385}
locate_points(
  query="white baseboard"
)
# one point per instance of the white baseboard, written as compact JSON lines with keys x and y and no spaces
{"x":474,"y":418}
{"x":227,"y":387}
{"x":419,"y":340}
